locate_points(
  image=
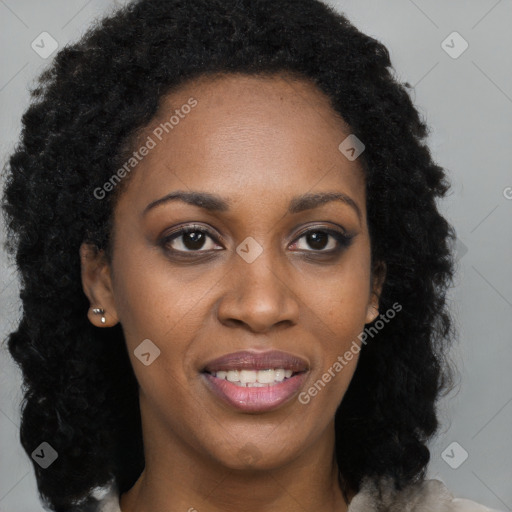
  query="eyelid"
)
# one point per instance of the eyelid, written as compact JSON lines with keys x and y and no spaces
{"x":320,"y":227}
{"x":340,"y":235}
{"x":342,"y":238}
{"x":188,"y":228}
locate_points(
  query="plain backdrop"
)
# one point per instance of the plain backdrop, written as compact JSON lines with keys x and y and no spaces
{"x":463,"y":89}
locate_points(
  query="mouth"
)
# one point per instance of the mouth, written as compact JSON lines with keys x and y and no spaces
{"x":255,"y":381}
{"x":255,"y":378}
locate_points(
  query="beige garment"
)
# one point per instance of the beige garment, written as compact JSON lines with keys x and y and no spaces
{"x":427,"y":496}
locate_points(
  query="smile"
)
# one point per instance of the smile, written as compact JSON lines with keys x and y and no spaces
{"x":255,"y":381}
{"x":254,"y":378}
{"x":255,"y":396}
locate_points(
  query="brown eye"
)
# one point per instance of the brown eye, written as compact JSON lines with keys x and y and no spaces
{"x":198,"y":239}
{"x":189,"y":239}
{"x":319,"y":240}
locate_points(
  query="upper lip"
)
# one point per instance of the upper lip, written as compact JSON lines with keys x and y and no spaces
{"x":249,"y":360}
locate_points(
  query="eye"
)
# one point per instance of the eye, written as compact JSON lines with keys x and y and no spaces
{"x":194,"y":239}
{"x":324,"y":240}
{"x":189,"y":239}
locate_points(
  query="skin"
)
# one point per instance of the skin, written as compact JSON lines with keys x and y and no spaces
{"x":257,"y":142}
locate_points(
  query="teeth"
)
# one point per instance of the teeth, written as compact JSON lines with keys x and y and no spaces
{"x":232,"y":376}
{"x":246,"y":376}
{"x":279,"y":374}
{"x":254,"y":378}
{"x":266,"y":376}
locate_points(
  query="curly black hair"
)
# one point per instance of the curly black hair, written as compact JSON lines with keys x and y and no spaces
{"x":80,"y":392}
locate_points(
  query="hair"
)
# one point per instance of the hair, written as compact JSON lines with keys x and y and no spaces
{"x":80,"y":391}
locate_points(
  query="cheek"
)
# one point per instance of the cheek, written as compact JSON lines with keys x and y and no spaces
{"x":339,"y":307}
{"x":154,"y":303}
{"x":340,"y":299}
{"x":150,"y":298}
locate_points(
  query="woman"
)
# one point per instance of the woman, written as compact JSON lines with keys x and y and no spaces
{"x":233,"y":267}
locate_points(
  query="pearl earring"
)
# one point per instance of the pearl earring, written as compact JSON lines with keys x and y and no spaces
{"x":99,"y":311}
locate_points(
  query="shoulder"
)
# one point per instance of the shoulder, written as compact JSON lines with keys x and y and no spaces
{"x":424,"y":496}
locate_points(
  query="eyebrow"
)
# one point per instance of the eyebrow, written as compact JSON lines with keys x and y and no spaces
{"x":215,"y":203}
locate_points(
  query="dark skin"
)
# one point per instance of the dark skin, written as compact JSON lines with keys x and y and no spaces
{"x":257,"y":142}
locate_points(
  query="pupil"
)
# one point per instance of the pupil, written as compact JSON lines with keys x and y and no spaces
{"x":194,"y":240}
{"x":313,"y":239}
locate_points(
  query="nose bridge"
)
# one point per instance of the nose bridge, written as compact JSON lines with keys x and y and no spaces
{"x":257,"y":292}
{"x":258,"y":266}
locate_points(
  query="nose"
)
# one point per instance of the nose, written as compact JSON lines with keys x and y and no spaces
{"x":259,"y":296}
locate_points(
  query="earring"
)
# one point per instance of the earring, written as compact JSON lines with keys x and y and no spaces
{"x":99,"y":311}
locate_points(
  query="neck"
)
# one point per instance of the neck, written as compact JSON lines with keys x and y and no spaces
{"x":178,"y":477}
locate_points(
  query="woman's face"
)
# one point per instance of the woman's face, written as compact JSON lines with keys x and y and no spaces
{"x":248,"y":277}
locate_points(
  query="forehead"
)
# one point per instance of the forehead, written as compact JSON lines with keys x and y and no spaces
{"x":238,"y":133}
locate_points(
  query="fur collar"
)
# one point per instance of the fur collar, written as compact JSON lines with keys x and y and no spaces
{"x":424,"y":496}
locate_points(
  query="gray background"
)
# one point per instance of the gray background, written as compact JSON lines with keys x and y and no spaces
{"x":467,"y":102}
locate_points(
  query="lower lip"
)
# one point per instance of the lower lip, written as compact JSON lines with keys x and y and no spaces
{"x":255,"y":399}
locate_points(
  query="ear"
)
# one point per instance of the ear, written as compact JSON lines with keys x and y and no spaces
{"x":97,"y":285}
{"x":378,"y":278}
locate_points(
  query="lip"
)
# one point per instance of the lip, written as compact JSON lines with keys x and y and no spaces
{"x":251,"y":360}
{"x":256,"y":399}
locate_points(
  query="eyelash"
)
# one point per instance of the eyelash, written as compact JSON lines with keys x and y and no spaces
{"x":343,"y":240}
